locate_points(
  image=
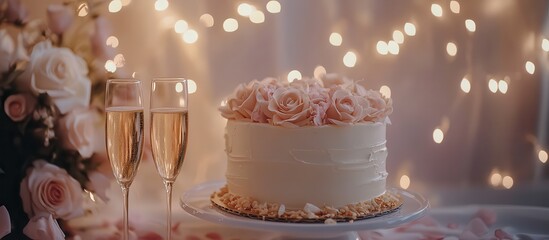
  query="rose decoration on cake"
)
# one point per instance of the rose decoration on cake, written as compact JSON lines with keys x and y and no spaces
{"x":332,"y":100}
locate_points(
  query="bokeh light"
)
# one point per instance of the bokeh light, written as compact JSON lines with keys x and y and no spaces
{"x":161,"y":5}
{"x":451,"y":49}
{"x":393,"y":47}
{"x":319,"y":72}
{"x":542,"y":155}
{"x":245,"y":9}
{"x":493,"y":85}
{"x":495,"y":179}
{"x":83,"y":10}
{"x":191,"y":84}
{"x":530,"y":67}
{"x":454,"y":6}
{"x":398,"y":36}
{"x":503,"y":86}
{"x":273,"y":7}
{"x":438,"y":135}
{"x":465,"y":85}
{"x":181,"y":26}
{"x":470,"y":25}
{"x":436,"y":10}
{"x":545,"y":45}
{"x":410,"y":29}
{"x":507,"y":182}
{"x":349,"y":60}
{"x":336,"y":39}
{"x":110,"y":66}
{"x":230,"y":25}
{"x":190,"y":36}
{"x":382,"y":47}
{"x":294,"y":75}
{"x":112,"y":41}
{"x":207,"y":20}
{"x":257,"y":17}
{"x":404,"y":182}
{"x":385,"y":91}
{"x":115,"y":6}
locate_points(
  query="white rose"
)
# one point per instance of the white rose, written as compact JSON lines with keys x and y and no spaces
{"x":43,"y":226}
{"x":78,"y":131}
{"x":61,"y":74}
{"x":6,"y":50}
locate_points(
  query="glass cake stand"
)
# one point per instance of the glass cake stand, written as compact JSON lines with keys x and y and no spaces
{"x":196,"y":201}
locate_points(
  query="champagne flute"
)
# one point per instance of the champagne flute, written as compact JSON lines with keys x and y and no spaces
{"x":169,"y":130}
{"x":124,"y":133}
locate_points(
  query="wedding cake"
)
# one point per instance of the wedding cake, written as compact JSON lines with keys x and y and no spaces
{"x":313,"y":149}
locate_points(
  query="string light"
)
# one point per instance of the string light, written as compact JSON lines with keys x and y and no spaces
{"x":112,"y":41}
{"x":115,"y":6}
{"x":385,"y":91}
{"x":191,"y":84}
{"x":502,"y":86}
{"x":465,"y":85}
{"x":393,"y":47}
{"x":454,"y":7}
{"x":190,"y":36}
{"x":83,"y":10}
{"x":470,"y":25}
{"x":438,"y":135}
{"x":398,"y":37}
{"x":382,"y":48}
{"x":161,"y":5}
{"x":230,"y":25}
{"x":493,"y":85}
{"x":410,"y":29}
{"x":507,"y":182}
{"x":257,"y":17}
{"x":542,"y":155}
{"x":319,"y":72}
{"x":404,"y":182}
{"x":294,"y":75}
{"x":451,"y":49}
{"x":436,"y":10}
{"x":349,"y":60}
{"x":119,"y":60}
{"x":545,"y":45}
{"x":273,"y":7}
{"x":495,"y":179}
{"x":336,"y":39}
{"x":245,"y":9}
{"x":207,"y":20}
{"x":530,"y":67}
{"x":181,"y":26}
{"x":110,"y":66}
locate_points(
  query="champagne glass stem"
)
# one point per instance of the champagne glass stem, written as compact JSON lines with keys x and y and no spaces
{"x":125,"y":192}
{"x":169,"y":185}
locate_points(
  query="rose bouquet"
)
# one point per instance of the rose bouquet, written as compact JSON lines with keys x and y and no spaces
{"x":51,"y":85}
{"x":307,"y":102}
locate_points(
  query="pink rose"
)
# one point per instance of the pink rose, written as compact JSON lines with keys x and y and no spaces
{"x":291,"y":107}
{"x":241,"y":105}
{"x":331,"y":80}
{"x":98,"y":184}
{"x":263,"y":94}
{"x":59,"y":18}
{"x":19,"y":106}
{"x":78,"y":131}
{"x":380,"y":107}
{"x":319,"y":97}
{"x":5,"y":224}
{"x":49,"y":189}
{"x":346,"y":108}
{"x":43,"y":226}
{"x":16,"y":11}
{"x":99,"y":38}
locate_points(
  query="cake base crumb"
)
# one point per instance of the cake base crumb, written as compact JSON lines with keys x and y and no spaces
{"x":249,"y":207}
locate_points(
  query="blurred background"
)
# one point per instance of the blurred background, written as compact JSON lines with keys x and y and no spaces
{"x":468,"y":79}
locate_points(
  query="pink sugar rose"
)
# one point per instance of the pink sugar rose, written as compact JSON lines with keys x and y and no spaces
{"x":346,"y":108}
{"x":19,"y":106}
{"x":60,"y":18}
{"x":78,"y":131}
{"x":43,"y":226}
{"x":264,"y":93}
{"x":380,"y":107}
{"x":319,"y":97}
{"x":50,"y":189}
{"x":241,"y":105}
{"x":291,"y":107}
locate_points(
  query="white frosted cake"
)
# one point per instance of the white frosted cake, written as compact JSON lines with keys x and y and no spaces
{"x":305,"y":148}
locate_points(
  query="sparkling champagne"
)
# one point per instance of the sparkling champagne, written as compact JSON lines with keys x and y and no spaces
{"x":124,"y":141}
{"x":169,"y":140}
